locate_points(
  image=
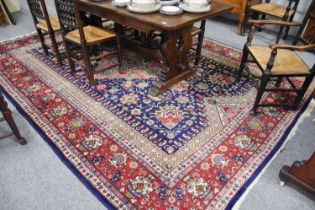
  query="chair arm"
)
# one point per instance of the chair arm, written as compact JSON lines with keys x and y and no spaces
{"x":293,"y":47}
{"x":273,"y":22}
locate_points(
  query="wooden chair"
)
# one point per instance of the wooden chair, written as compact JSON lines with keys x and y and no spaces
{"x":45,"y":26}
{"x":286,"y":13}
{"x":84,"y":40}
{"x":277,"y":62}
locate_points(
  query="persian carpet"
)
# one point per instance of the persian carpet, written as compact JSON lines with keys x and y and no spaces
{"x":196,"y":146}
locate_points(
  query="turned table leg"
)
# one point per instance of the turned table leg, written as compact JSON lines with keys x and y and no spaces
{"x":7,"y":116}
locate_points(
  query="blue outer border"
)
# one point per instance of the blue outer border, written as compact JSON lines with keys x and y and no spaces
{"x":82,"y":179}
{"x":268,"y":158}
{"x":104,"y":201}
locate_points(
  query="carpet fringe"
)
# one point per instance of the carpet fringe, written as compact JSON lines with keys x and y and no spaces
{"x":305,"y":114}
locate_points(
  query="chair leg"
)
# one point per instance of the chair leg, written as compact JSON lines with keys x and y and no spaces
{"x":243,"y":62}
{"x":42,"y":40}
{"x":302,"y":91}
{"x":279,"y":80}
{"x":55,"y":46}
{"x":68,"y":52}
{"x":262,"y":87}
{"x":245,"y":24}
{"x":119,"y":53}
{"x":88,"y":65}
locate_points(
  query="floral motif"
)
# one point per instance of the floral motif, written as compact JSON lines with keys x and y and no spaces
{"x":205,"y":166}
{"x":101,"y":87}
{"x":179,"y":193}
{"x":59,"y":111}
{"x":198,"y":187}
{"x":271,"y":111}
{"x":163,"y":191}
{"x":127,"y":85}
{"x":93,"y":141}
{"x":135,"y":111}
{"x":49,"y":96}
{"x":239,"y":159}
{"x":143,"y":85}
{"x":219,"y":160}
{"x":222,"y":177}
{"x":27,"y":78}
{"x":141,"y":186}
{"x":182,"y":99}
{"x":243,"y":142}
{"x":220,"y":79}
{"x":129,"y":99}
{"x":76,"y":124}
{"x":35,"y":87}
{"x":201,"y":86}
{"x":118,"y":159}
{"x":256,"y":124}
{"x":116,"y":177}
{"x":16,"y":71}
{"x":113,"y":148}
{"x":133,"y":165}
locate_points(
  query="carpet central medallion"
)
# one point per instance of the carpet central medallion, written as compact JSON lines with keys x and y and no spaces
{"x":195,"y":146}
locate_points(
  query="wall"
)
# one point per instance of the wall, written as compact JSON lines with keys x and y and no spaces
{"x":13,"y":5}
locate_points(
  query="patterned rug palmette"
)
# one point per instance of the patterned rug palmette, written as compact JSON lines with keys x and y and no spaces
{"x":197,"y":146}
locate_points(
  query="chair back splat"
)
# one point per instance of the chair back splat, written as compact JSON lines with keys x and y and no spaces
{"x":66,"y":13}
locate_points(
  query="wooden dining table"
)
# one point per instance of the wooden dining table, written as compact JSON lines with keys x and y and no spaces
{"x":175,"y":28}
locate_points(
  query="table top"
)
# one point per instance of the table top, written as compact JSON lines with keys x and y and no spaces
{"x":155,"y":19}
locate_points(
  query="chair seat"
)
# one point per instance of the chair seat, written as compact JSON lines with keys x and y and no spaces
{"x":195,"y":31}
{"x":54,"y":24}
{"x":287,"y":62}
{"x":271,"y":9}
{"x":92,"y":34}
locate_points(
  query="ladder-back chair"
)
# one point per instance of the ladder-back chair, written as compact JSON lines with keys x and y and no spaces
{"x":45,"y":26}
{"x":82,"y":40}
{"x":278,"y":61}
{"x":285,"y":13}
